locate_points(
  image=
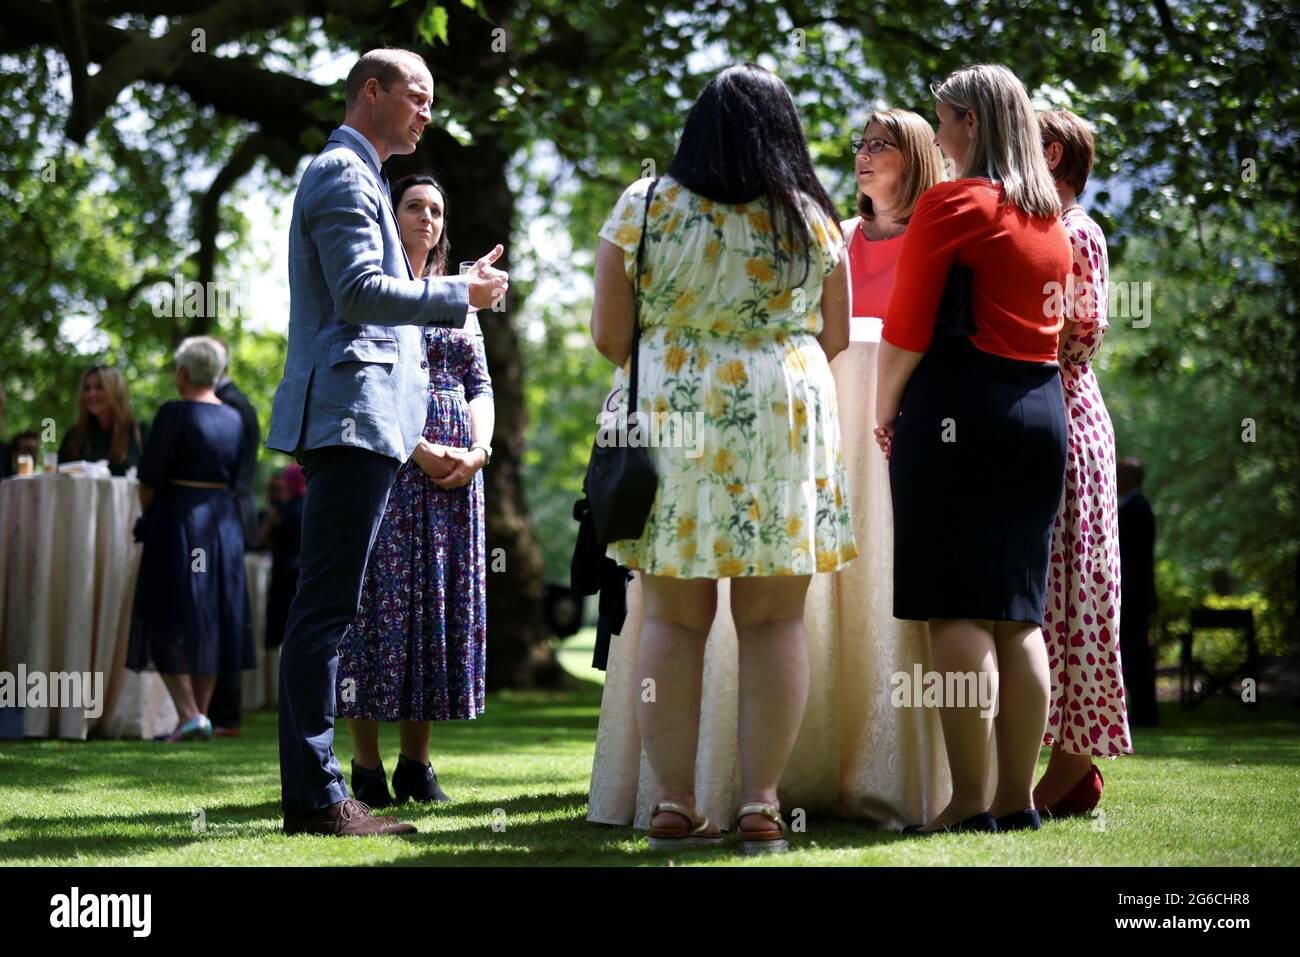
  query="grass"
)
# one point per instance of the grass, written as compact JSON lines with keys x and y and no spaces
{"x":1215,"y":786}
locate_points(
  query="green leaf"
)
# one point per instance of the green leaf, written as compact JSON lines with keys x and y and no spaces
{"x":433,"y":24}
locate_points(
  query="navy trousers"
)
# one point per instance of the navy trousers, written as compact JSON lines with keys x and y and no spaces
{"x":347,"y":490}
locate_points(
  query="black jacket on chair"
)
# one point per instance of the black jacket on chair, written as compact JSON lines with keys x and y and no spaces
{"x":229,"y":393}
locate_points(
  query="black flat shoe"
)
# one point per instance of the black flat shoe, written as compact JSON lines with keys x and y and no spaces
{"x":983,"y":821}
{"x":370,"y":787}
{"x":417,"y":782}
{"x":1028,"y":819}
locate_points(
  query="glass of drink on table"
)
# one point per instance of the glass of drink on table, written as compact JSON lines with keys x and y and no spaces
{"x":26,"y":465}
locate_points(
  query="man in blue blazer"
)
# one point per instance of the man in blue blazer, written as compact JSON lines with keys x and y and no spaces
{"x":352,"y":404}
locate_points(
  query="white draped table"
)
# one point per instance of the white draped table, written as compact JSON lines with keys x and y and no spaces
{"x":67,"y":581}
{"x":857,"y":755}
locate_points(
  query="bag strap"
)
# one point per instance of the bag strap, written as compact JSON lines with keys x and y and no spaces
{"x":636,"y":301}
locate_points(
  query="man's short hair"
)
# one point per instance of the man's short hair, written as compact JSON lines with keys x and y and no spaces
{"x":387,"y":65}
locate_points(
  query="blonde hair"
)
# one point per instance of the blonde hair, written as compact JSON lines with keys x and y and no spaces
{"x":119,"y":403}
{"x":1007,"y":147}
{"x":922,"y":161}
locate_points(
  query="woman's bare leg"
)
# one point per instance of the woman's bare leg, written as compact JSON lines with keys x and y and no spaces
{"x":669,"y":674}
{"x":768,"y":613}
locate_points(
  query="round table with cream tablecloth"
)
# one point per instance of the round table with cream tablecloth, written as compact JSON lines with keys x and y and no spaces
{"x":856,"y":755}
{"x":67,"y":581}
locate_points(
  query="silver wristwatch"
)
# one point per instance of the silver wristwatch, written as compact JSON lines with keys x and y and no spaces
{"x":487,"y":450}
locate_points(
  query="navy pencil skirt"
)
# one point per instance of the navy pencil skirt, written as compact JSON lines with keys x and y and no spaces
{"x":977,"y":474}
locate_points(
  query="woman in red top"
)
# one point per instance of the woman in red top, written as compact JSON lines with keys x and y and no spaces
{"x":896,"y":162}
{"x":975,"y":430}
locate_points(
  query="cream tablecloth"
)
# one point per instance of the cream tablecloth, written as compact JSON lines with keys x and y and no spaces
{"x":67,"y":580}
{"x":856,"y":755}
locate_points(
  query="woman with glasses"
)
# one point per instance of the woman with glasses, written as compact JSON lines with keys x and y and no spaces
{"x":895,"y":161}
{"x":975,"y":431}
{"x":857,"y":756}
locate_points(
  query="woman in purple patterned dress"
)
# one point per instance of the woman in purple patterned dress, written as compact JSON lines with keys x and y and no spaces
{"x":1088,"y":717}
{"x":416,"y":651}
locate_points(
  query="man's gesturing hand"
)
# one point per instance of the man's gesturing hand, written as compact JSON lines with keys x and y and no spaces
{"x":487,"y":285}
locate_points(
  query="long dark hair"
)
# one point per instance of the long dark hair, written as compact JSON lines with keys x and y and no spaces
{"x":436,"y":264}
{"x":743,"y":140}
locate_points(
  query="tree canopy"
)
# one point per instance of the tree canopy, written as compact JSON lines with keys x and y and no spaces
{"x":138,"y":132}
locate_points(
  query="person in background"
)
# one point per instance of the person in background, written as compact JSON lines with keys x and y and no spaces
{"x":227,"y":697}
{"x":1088,"y":717}
{"x":281,"y":532}
{"x":191,"y":618}
{"x":417,"y":651}
{"x":1137,"y":547}
{"x":25,"y":443}
{"x":105,"y":427}
{"x":974,"y":428}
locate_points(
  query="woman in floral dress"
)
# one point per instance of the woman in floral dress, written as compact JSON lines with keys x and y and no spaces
{"x":744,"y":296}
{"x":416,"y":652}
{"x":1088,"y":717}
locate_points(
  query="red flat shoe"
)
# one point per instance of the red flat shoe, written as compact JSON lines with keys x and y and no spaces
{"x":1082,"y":798}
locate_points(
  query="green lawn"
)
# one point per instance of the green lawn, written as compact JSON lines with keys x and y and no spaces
{"x":1216,"y":786}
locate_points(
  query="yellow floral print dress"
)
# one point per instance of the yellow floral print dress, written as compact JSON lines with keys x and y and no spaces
{"x":738,"y":397}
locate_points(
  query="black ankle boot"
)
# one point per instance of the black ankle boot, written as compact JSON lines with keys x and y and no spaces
{"x":416,"y":781}
{"x":370,"y":787}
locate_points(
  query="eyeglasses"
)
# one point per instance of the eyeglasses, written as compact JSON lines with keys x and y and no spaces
{"x":873,"y":146}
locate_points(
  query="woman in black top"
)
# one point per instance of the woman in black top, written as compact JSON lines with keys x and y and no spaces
{"x":105,"y":427}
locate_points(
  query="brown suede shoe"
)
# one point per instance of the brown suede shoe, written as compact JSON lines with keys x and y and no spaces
{"x":347,"y":818}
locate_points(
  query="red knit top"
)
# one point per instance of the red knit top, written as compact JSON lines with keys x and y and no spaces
{"x":871,"y":272}
{"x":1020,"y":264}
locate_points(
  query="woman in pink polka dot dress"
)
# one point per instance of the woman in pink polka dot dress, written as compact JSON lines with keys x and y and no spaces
{"x":1087,"y":717}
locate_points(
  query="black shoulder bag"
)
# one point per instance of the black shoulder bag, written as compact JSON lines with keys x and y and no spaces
{"x":621,"y":479}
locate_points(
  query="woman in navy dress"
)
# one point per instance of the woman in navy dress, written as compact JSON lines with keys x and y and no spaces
{"x":191,"y":619}
{"x":416,"y":652}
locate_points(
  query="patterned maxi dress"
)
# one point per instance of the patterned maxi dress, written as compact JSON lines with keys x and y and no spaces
{"x":417,"y":648}
{"x":1081,"y":626}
